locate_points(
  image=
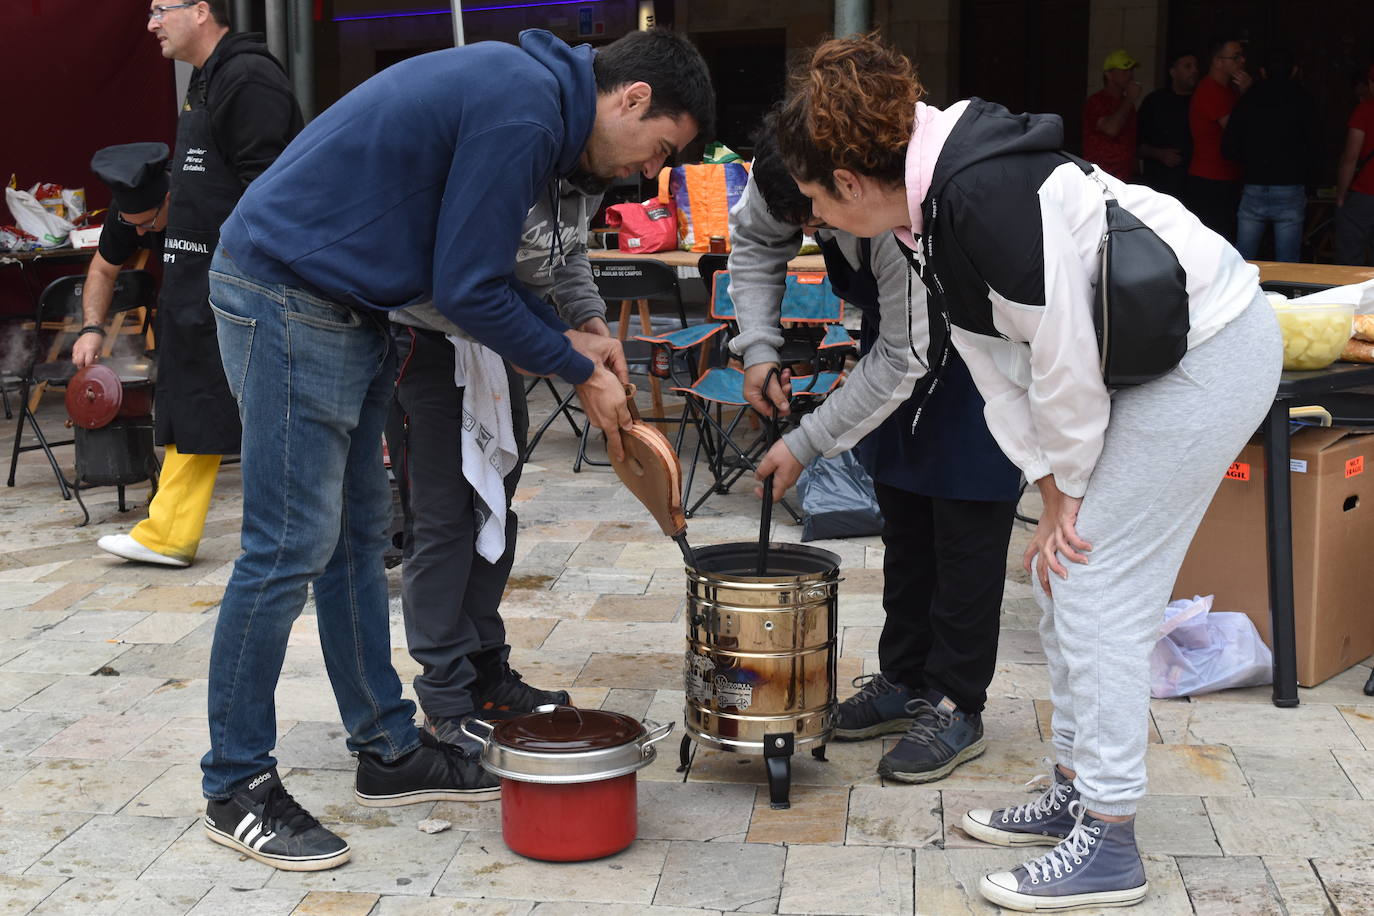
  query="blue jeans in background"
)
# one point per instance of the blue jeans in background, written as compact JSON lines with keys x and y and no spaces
{"x":313,"y":379}
{"x":1282,"y":205}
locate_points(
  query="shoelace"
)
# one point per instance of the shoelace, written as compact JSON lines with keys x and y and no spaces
{"x":280,"y":809}
{"x":1049,"y":801}
{"x":873,"y":685}
{"x":1070,"y":852}
{"x":927,"y":722}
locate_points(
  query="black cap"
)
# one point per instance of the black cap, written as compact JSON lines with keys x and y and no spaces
{"x":136,"y":174}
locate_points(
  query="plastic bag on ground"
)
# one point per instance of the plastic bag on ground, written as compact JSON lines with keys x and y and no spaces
{"x":837,"y":499}
{"x":1200,"y":651}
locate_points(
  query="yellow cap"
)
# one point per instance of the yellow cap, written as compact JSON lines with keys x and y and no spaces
{"x":1118,"y":60}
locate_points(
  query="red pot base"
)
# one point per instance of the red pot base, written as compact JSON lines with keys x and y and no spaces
{"x":569,"y":823}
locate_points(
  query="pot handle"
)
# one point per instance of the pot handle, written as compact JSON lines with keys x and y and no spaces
{"x":655,"y":733}
{"x":482,"y":739}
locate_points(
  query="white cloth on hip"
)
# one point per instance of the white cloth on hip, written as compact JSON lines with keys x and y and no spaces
{"x":488,"y":439}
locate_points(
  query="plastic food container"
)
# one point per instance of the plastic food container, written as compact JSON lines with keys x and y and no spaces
{"x":568,"y":779}
{"x":1313,"y":333}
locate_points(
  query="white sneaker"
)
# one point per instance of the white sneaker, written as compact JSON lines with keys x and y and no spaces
{"x":123,"y":545}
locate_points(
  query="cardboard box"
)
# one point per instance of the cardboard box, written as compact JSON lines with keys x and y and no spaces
{"x":1332,"y":477}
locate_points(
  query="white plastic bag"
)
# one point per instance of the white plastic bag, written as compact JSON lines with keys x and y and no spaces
{"x":50,"y":229}
{"x":1199,"y":651}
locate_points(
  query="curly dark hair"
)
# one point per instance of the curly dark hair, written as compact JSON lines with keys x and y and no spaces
{"x":852,"y":107}
{"x":784,"y":200}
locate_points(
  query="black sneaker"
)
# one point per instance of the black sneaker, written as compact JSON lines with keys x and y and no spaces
{"x":449,"y":730}
{"x":879,"y":708}
{"x":434,"y":771}
{"x":263,"y":821}
{"x":941,"y":737}
{"x":505,"y":696}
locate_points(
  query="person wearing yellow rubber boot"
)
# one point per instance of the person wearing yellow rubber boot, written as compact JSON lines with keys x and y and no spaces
{"x":238,"y":116}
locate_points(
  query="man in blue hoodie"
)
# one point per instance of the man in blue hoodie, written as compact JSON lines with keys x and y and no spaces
{"x":413,"y":187}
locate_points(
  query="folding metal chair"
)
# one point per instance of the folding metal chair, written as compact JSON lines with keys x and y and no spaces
{"x":813,"y":334}
{"x":59,"y":307}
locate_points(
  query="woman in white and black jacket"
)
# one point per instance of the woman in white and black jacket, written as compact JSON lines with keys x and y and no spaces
{"x":1010,"y":230}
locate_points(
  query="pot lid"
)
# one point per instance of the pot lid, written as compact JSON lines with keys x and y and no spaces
{"x":93,"y":396}
{"x":566,"y":730}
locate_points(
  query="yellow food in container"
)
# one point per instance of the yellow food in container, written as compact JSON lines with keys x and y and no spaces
{"x":1314,"y":333}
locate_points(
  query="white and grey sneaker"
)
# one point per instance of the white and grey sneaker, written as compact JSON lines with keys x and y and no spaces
{"x":1043,"y":822}
{"x":263,"y":821}
{"x":1096,"y":865}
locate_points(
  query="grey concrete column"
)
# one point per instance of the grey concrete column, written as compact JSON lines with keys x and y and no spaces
{"x":302,"y":33}
{"x":458,"y":39}
{"x":276,"y":31}
{"x":852,"y":17}
{"x":241,"y":15}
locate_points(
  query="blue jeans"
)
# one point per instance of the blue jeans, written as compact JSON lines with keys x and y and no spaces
{"x":313,"y":379}
{"x":1284,"y":206}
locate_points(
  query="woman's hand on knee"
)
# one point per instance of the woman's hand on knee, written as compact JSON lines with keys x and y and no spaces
{"x":1056,"y":535}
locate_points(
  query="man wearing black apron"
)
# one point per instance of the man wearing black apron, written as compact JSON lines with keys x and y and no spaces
{"x":239,"y":114}
{"x":947,"y":493}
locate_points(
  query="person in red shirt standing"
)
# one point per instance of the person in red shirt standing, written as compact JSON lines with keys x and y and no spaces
{"x":1355,"y":186}
{"x":1213,"y":189}
{"x":1109,"y":117}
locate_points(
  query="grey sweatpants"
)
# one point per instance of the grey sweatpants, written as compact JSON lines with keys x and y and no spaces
{"x":1168,"y":445}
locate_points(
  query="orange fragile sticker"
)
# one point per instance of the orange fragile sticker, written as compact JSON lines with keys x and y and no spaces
{"x":1354,"y":466}
{"x":1239,"y":470}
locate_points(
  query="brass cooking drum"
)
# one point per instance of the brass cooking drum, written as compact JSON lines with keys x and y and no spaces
{"x":761,"y":649}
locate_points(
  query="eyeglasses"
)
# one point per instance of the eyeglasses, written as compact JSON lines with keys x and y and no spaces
{"x":147,"y":225}
{"x":158,"y":12}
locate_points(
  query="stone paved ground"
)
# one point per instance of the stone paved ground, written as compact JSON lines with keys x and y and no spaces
{"x":1254,"y":810}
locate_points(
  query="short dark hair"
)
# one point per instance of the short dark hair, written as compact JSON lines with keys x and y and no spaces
{"x":1176,"y":55}
{"x":672,"y":67}
{"x":219,"y":10}
{"x":784,"y":200}
{"x":1216,"y":45}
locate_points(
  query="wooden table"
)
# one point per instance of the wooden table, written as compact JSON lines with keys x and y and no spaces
{"x":1326,"y":274}
{"x":686,"y":261}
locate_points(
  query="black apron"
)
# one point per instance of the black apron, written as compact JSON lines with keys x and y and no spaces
{"x":950,"y":454}
{"x":192,"y":407}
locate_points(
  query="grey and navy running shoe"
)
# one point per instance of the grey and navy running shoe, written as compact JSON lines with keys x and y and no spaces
{"x":941,"y":737}
{"x":879,"y":708}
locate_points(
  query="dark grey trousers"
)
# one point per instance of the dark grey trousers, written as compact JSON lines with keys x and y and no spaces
{"x":1355,"y":229}
{"x":451,"y":597}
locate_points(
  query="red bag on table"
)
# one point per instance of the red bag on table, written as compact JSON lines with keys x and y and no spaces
{"x":650,"y":226}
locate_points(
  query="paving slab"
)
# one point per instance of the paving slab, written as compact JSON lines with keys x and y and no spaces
{"x":18,"y":686}
{"x":192,"y":857}
{"x":877,"y":880}
{"x":1307,"y":827}
{"x":894,"y":816}
{"x":560,"y":908}
{"x":817,"y":816}
{"x":1193,"y":769}
{"x":731,"y":877}
{"x":100,"y":736}
{"x":1349,"y":881}
{"x":316,"y":745}
{"x":1299,"y":886}
{"x":161,"y":628}
{"x":485,"y":865}
{"x":57,"y":657}
{"x":1360,"y":719}
{"x":112,"y":846}
{"x":86,"y":694}
{"x":335,"y":903}
{"x":181,"y":740}
{"x":386,"y":860}
{"x":244,"y":902}
{"x":649,"y":608}
{"x":90,"y":786}
{"x":627,"y":636}
{"x":662,"y":670}
{"x":1224,"y":886}
{"x":115,"y":897}
{"x":444,"y":906}
{"x":29,"y":731}
{"x":26,"y":836}
{"x":20,"y":895}
{"x":93,"y":626}
{"x":1294,"y":772}
{"x":706,"y":812}
{"x":1358,"y":767}
{"x":847,"y":763}
{"x":1260,"y":725}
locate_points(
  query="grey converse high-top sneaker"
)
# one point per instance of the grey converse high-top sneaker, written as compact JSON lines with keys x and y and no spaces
{"x":1043,"y":822}
{"x":1096,"y":865}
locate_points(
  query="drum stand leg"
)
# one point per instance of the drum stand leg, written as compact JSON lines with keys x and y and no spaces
{"x":684,"y":754}
{"x":777,"y":758}
{"x":818,"y":752}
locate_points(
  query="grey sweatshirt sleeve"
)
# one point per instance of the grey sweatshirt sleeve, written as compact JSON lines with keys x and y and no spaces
{"x":886,"y":375}
{"x":574,"y":291}
{"x":761,"y":246}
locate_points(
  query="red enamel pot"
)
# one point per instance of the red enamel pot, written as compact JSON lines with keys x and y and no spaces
{"x":568,"y":779}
